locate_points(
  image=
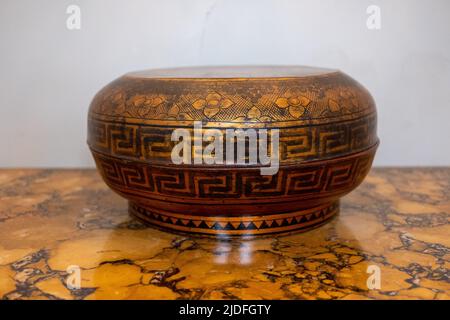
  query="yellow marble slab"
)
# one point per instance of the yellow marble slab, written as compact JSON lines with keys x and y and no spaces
{"x":393,"y":232}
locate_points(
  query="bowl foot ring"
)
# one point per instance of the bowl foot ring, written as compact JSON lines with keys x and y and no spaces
{"x":248,"y":225}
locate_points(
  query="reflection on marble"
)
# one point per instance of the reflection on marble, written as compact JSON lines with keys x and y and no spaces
{"x":397,"y":220}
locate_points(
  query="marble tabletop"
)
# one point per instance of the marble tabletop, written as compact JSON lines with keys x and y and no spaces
{"x":65,"y":235}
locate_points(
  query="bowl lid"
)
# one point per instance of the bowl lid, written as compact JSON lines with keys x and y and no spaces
{"x":232,"y":72}
{"x":318,"y":113}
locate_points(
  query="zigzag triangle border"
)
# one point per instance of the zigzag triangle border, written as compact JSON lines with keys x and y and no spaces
{"x":237,"y":225}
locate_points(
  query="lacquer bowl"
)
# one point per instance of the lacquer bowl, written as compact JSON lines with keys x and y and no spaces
{"x":327,"y":139}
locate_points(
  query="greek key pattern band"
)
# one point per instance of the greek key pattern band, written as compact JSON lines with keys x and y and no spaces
{"x":323,"y":178}
{"x":308,"y":143}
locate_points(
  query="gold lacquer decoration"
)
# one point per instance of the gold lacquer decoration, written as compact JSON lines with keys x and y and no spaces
{"x":326,"y":141}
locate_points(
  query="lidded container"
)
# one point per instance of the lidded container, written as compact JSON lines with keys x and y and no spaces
{"x":168,"y":140}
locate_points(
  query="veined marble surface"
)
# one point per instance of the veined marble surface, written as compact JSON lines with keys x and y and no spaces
{"x":396,"y":222}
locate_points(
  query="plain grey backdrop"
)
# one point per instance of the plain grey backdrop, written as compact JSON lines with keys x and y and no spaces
{"x":49,"y":74}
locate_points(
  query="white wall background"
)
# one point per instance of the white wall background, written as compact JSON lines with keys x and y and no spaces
{"x":48,"y":74}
